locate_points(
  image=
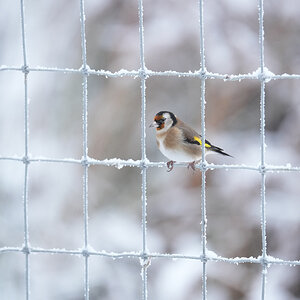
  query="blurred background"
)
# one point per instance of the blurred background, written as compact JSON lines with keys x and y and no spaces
{"x":174,"y":202}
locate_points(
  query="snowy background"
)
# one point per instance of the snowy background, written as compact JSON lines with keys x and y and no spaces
{"x":174,"y":204}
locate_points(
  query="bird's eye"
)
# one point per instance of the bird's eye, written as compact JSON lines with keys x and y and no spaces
{"x":160,"y":121}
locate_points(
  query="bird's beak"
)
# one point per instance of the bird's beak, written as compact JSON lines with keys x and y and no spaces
{"x":154,"y":124}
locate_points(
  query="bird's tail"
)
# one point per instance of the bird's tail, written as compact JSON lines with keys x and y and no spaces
{"x":219,"y":150}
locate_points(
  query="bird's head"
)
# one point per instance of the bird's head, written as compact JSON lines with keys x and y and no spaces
{"x":164,"y":120}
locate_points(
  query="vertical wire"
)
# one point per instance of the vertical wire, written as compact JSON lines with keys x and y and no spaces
{"x":143,"y":147}
{"x":85,"y":148}
{"x":203,"y":170}
{"x":262,"y":148}
{"x":23,"y":32}
{"x":26,"y":152}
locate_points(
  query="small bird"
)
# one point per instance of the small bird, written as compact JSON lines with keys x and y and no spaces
{"x":179,"y":142}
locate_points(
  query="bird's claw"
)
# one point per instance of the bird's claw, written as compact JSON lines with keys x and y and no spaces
{"x":170,"y":165}
{"x":192,"y":165}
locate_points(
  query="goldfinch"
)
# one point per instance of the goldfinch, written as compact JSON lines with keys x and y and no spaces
{"x":179,"y":142}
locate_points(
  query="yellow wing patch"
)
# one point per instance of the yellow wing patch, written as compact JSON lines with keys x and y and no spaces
{"x":200,"y":142}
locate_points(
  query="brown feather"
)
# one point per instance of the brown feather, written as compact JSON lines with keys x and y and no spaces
{"x":174,"y":139}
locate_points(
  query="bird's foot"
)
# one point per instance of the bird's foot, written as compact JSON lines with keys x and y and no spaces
{"x":170,"y":165}
{"x":192,"y":165}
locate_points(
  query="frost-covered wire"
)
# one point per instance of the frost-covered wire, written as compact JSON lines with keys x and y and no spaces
{"x":121,"y":163}
{"x":210,"y":255}
{"x":262,"y":148}
{"x":149,"y":73}
{"x":203,"y":169}
{"x":85,"y":147}
{"x":24,"y":69}
{"x":144,"y":259}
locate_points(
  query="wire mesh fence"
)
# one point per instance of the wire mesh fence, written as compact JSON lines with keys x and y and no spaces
{"x":145,"y":256}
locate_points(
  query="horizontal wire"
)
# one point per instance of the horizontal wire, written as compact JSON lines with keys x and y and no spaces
{"x":213,"y":258}
{"x":120,"y":163}
{"x":149,"y":73}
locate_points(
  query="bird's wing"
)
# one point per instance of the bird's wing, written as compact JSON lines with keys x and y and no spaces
{"x":190,"y":136}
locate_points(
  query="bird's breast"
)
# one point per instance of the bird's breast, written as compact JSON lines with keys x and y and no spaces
{"x":173,"y":152}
